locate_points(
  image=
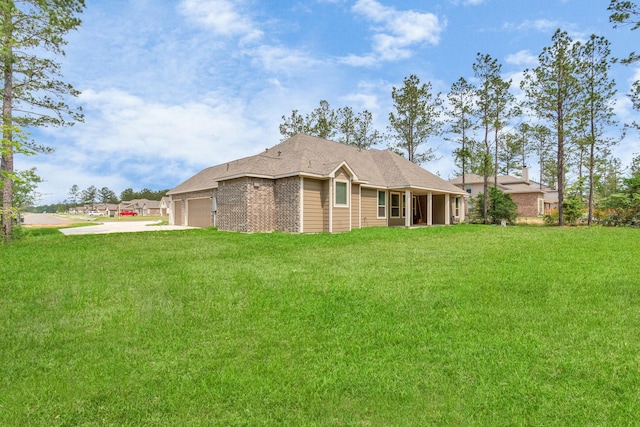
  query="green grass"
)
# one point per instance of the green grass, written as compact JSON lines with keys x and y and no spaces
{"x":464,"y":325}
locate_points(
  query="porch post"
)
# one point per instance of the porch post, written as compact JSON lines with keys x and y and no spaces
{"x":408,"y":209}
{"x":463,"y":208}
{"x":447,"y":209}
{"x":429,"y":208}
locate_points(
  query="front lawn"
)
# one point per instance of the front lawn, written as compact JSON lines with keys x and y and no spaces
{"x":464,"y":325}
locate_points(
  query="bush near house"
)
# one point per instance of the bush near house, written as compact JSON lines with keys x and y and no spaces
{"x":501,"y":207}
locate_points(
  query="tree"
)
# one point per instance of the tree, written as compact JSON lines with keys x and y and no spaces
{"x":596,"y":110}
{"x":127,"y":194}
{"x":89,"y":195}
{"x":24,"y":189}
{"x":74,"y":194}
{"x":293,"y":125}
{"x":510,"y":155}
{"x":488,"y":108}
{"x":543,"y":147}
{"x":105,"y":195}
{"x":500,"y":207}
{"x":552,"y":92}
{"x":417,"y":118}
{"x":322,"y":122}
{"x":625,"y":13}
{"x":628,"y":13}
{"x":33,"y":95}
{"x":365,"y":134}
{"x":461,"y":106}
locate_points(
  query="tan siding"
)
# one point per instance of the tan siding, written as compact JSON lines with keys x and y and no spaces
{"x":438,"y":209}
{"x":355,"y":206}
{"x":177,"y":212}
{"x":324,"y":195}
{"x":340,"y":219}
{"x":370,"y":209}
{"x":199,"y":212}
{"x":312,"y":209}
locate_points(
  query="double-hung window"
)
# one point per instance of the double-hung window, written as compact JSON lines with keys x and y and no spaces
{"x":395,"y":205}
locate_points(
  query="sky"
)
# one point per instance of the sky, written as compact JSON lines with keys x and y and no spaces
{"x":170,"y":87}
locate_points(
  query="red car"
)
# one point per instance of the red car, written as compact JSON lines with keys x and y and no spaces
{"x":128,"y":213}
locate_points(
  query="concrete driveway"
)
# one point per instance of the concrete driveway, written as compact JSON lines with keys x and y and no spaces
{"x":121,"y":227}
{"x":49,"y":220}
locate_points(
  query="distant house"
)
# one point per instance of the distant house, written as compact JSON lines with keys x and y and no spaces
{"x":165,"y":206}
{"x":532,"y":198}
{"x":107,"y":209}
{"x":307,"y":185}
{"x":142,"y":207}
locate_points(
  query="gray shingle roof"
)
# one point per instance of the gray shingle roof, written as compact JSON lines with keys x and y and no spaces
{"x":310,"y":156}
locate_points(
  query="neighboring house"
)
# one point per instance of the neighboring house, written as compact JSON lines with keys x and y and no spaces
{"x":142,"y":207}
{"x":532,"y":198}
{"x":165,"y":206}
{"x":308,"y":185}
{"x":107,"y":209}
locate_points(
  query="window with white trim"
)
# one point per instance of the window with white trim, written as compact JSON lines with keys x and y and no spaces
{"x":395,"y":205}
{"x":341,"y":195}
{"x":404,"y":205}
{"x":457,"y":206}
{"x":382,"y":204}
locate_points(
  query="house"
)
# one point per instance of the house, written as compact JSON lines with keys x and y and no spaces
{"x":165,"y":206}
{"x":142,"y":207}
{"x":532,"y":198}
{"x":307,"y":185}
{"x":107,"y":209}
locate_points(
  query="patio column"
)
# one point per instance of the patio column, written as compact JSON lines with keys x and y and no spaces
{"x":447,"y":209}
{"x":463,"y":208}
{"x":429,"y":208}
{"x":408,"y":208}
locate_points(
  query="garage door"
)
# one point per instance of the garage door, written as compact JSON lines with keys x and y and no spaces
{"x":177,"y":212}
{"x":199,"y":211}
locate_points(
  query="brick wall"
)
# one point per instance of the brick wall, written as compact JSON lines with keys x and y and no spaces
{"x":261,"y":212}
{"x":527,"y":203}
{"x":287,"y":204}
{"x":232,"y":205}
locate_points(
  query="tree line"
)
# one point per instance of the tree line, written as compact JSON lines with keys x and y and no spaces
{"x":563,"y":123}
{"x":92,"y":194}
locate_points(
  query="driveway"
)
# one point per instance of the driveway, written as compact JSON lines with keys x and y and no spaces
{"x":49,"y":220}
{"x":121,"y":227}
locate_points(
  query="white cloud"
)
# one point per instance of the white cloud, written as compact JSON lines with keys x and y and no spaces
{"x":522,"y":58}
{"x":223,"y":17}
{"x":396,"y":32}
{"x":542,"y":25}
{"x":281,"y":59}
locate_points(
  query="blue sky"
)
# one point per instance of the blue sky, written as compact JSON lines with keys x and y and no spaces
{"x":171,"y":87}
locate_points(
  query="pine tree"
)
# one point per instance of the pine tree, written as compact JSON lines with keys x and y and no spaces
{"x":32,"y":33}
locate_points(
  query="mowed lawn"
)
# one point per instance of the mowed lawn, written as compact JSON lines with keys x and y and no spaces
{"x":455,"y":326}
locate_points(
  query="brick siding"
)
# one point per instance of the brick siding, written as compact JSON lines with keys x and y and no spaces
{"x":232,"y":205}
{"x":261,"y":215}
{"x":527,"y":203}
{"x":287,"y":202}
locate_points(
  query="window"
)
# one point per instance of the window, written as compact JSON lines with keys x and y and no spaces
{"x":382,"y":204}
{"x":457,"y":206}
{"x":395,"y":205}
{"x":404,"y":205}
{"x":341,"y":193}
